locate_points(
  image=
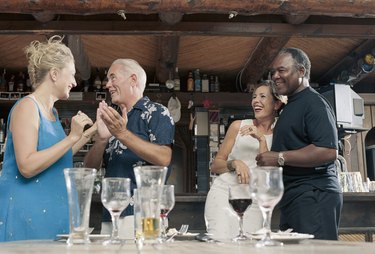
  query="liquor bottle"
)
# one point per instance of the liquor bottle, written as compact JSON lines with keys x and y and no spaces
{"x":11,"y":83}
{"x":3,"y":84}
{"x":217,"y":84}
{"x":197,"y":81}
{"x":105,"y":80}
{"x":212,"y":83}
{"x":28,"y":83}
{"x":177,"y":83}
{"x":2,"y":130}
{"x":205,"y":84}
{"x":190,"y":82}
{"x":97,"y":82}
{"x":20,"y":82}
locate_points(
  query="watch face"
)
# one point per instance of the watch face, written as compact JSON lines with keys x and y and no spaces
{"x":169,"y":84}
{"x":280,"y":160}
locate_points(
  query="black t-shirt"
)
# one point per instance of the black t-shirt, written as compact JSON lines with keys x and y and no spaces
{"x":306,"y":119}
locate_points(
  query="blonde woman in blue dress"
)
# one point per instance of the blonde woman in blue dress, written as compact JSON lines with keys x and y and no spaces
{"x":243,"y":141}
{"x":33,"y":196}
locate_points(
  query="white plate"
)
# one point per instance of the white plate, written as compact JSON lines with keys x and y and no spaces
{"x":187,"y":236}
{"x":93,"y":237}
{"x":286,"y":237}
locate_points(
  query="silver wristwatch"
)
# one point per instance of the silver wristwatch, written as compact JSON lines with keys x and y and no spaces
{"x":281,"y":159}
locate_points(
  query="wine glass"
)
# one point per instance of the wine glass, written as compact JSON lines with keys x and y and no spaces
{"x":115,"y":198}
{"x":267,"y":188}
{"x":166,"y":205}
{"x":240,"y":199}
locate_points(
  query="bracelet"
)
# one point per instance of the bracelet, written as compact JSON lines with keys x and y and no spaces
{"x":86,"y":135}
{"x":230,"y":166}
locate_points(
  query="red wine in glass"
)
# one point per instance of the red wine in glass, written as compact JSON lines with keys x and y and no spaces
{"x":164,"y":212}
{"x":239,"y":198}
{"x":240,"y":205}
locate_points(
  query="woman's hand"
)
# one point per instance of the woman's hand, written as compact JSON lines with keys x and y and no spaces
{"x":253,"y":131}
{"x":241,"y":170}
{"x":78,"y":123}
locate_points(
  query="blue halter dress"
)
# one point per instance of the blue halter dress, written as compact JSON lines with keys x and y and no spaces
{"x":36,"y":207}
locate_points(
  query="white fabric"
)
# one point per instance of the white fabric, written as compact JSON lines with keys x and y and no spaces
{"x":125,"y":228}
{"x":221,"y":220}
{"x":174,"y":107}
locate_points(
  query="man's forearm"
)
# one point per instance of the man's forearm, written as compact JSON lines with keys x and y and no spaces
{"x":94,"y":157}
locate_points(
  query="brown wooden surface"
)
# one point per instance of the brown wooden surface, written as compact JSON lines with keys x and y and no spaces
{"x":361,"y":8}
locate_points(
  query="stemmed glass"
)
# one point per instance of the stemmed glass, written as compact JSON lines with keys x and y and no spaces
{"x":115,"y":198}
{"x":240,"y":199}
{"x":267,"y":188}
{"x":166,"y":205}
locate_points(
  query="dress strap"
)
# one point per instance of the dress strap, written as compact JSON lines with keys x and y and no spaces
{"x":18,"y":101}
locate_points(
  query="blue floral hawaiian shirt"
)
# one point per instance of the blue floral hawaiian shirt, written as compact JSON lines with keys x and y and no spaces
{"x":148,"y":120}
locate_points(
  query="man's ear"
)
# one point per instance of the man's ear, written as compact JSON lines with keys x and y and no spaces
{"x":134,"y":79}
{"x":302,"y":71}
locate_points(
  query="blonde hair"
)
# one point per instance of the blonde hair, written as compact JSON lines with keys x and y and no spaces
{"x":133,"y":67}
{"x":42,"y":56}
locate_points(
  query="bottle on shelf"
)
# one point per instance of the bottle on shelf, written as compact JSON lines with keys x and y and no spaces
{"x":217,"y":84}
{"x":20,"y":82}
{"x":197,"y":81}
{"x":11,"y":83}
{"x":105,"y":80}
{"x":212,"y":83}
{"x":97,"y":82}
{"x":3,"y":83}
{"x":28,"y":83}
{"x":205,"y":84}
{"x":176,"y":77}
{"x":190,"y":82}
{"x":2,"y":130}
{"x":86,"y":86}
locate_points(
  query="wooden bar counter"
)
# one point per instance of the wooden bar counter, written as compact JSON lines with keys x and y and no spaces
{"x":189,"y":247}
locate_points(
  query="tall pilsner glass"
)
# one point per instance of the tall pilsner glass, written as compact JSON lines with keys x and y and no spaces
{"x":79,"y":184}
{"x":150,"y":181}
{"x":267,"y":188}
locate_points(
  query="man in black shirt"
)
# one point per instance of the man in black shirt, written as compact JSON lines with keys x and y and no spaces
{"x":305,"y":144}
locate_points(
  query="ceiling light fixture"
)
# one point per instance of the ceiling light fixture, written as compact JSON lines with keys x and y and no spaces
{"x":122,"y":14}
{"x":232,"y":14}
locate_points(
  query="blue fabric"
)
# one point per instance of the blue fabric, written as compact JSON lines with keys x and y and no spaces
{"x":148,"y":120}
{"x":37,"y":207}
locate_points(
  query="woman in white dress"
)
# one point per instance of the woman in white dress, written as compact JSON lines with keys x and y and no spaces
{"x":243,"y":141}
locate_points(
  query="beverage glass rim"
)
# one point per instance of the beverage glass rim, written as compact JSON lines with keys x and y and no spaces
{"x":80,"y":170}
{"x":151,"y":167}
{"x":116,"y":178}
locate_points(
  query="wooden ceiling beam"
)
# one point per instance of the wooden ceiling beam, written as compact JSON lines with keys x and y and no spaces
{"x":167,"y":57}
{"x":170,"y":18}
{"x":82,"y":62}
{"x":343,"y":8}
{"x":261,"y":58}
{"x":366,"y":31}
{"x":296,"y":19}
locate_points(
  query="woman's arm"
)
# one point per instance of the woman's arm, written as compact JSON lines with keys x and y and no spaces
{"x":24,"y":125}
